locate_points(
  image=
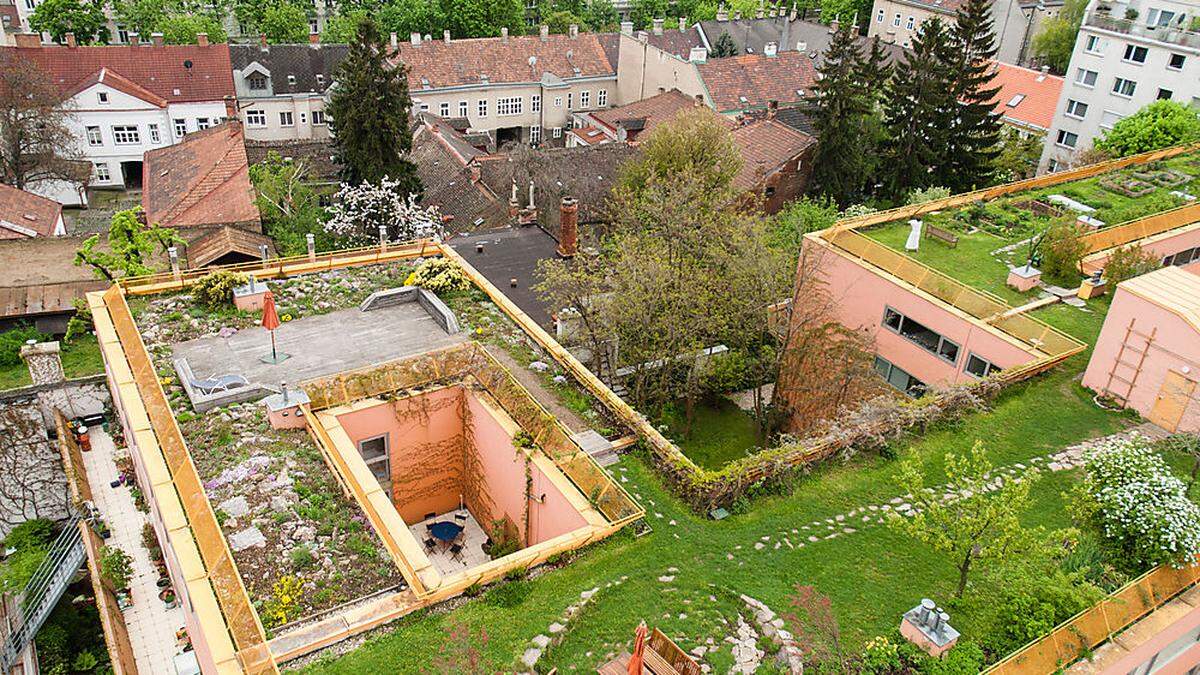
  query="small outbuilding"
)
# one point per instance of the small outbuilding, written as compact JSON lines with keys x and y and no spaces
{"x":1148,"y":354}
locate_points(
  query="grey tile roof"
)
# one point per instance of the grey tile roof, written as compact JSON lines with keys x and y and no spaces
{"x":304,"y":62}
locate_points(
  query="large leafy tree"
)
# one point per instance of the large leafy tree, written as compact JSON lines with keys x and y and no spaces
{"x":132,"y":243}
{"x":369,"y":109}
{"x":975,"y":132}
{"x":1158,"y":125}
{"x":284,"y":22}
{"x":290,"y":207}
{"x":919,"y":111}
{"x":182,"y":29}
{"x":36,"y":143}
{"x":405,"y":17}
{"x":1054,"y":44}
{"x":84,"y":18}
{"x":481,"y":18}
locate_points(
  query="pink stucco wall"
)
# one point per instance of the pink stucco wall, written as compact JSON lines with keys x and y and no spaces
{"x":1160,"y":249}
{"x":859,"y":297}
{"x":1176,"y":347}
{"x":1140,"y":655}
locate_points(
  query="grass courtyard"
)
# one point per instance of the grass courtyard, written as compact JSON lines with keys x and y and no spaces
{"x":80,"y":358}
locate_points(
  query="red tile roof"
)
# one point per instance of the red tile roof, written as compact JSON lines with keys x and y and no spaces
{"x":157,"y":69}
{"x":589,"y":135}
{"x":1039,"y":94}
{"x":654,"y":111}
{"x":758,"y":79}
{"x":462,"y":62}
{"x":116,"y":81}
{"x":23,"y":213}
{"x":205,"y":180}
{"x":766,"y":145}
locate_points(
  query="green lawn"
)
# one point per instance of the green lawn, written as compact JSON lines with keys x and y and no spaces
{"x":79,"y":358}
{"x":721,"y":432}
{"x":871,"y":576}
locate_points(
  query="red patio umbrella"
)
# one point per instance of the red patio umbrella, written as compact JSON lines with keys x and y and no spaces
{"x":639,"y":650}
{"x":270,"y":320}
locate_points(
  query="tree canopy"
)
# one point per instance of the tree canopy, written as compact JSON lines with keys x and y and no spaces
{"x":36,"y":141}
{"x":84,"y":18}
{"x":1054,"y":44}
{"x":1158,"y":125}
{"x":131,"y":243}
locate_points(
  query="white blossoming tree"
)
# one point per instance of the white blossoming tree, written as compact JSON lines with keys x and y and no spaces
{"x":1139,"y":507}
{"x":358,"y":211}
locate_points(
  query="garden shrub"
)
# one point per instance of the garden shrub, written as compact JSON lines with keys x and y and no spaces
{"x":880,"y":655}
{"x":438,"y":275}
{"x":1139,"y":507}
{"x":31,"y":543}
{"x":1061,"y":250}
{"x":11,"y":341}
{"x":929,"y":194}
{"x":1128,"y":262}
{"x":509,"y":594}
{"x":116,"y":567}
{"x":215,"y":290}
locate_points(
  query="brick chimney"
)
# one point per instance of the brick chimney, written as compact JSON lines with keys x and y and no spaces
{"x":658,"y":26}
{"x":568,"y":225}
{"x":772,"y":109}
{"x":262,"y":39}
{"x":157,"y":39}
{"x":314,"y":38}
{"x":544,"y":32}
{"x":504,"y":33}
{"x":230,"y":108}
{"x":202,"y":39}
{"x":69,"y":38}
{"x":134,"y":39}
{"x":28,"y":40}
{"x":683,"y":23}
{"x":446,"y":36}
{"x":573,"y":31}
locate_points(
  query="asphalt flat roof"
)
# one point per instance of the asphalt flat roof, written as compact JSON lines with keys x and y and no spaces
{"x":512,"y":253}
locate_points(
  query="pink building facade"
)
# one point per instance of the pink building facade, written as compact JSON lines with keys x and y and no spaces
{"x":1178,"y":248}
{"x":1148,"y":354}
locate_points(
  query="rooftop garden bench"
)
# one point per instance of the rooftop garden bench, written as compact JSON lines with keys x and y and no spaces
{"x":945,"y":236}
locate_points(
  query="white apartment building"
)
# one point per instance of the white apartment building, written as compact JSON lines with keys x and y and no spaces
{"x":125,"y":100}
{"x":1128,"y":55}
{"x":282,"y":89}
{"x":1015,"y":22}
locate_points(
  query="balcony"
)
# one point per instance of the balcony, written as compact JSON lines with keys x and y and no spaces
{"x":1168,"y":34}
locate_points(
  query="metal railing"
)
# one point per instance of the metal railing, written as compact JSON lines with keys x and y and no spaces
{"x":1170,"y":34}
{"x":1141,"y":228}
{"x":42,"y":593}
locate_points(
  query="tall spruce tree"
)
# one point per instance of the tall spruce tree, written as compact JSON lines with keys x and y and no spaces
{"x":975,"y":139}
{"x":369,"y":112}
{"x":918,"y":112}
{"x":840,"y":108}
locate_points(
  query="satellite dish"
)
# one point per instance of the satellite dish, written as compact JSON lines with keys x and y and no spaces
{"x":188,"y":64}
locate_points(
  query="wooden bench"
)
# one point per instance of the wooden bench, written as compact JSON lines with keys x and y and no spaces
{"x":945,"y":236}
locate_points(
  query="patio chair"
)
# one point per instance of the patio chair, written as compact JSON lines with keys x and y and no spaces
{"x":430,"y":544}
{"x":220,"y":383}
{"x":456,"y":552}
{"x":462,"y":517}
{"x":431,"y":514}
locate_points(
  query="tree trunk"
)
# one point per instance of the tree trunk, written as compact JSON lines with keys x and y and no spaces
{"x":963,"y":569}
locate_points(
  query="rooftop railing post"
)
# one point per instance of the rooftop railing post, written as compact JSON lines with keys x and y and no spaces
{"x":311,"y":240}
{"x":173,"y":254}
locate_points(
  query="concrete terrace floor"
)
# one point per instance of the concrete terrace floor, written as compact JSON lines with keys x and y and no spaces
{"x":319,"y":345}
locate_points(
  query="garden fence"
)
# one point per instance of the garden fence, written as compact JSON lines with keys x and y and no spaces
{"x":1124,"y":233}
{"x":1083,"y":632}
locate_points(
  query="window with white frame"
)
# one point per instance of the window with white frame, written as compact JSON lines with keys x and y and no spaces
{"x":1124,"y":87}
{"x":879,"y":16}
{"x":899,"y":378}
{"x":1085,"y":77}
{"x":257,"y":82}
{"x":180,"y":127}
{"x":444,"y":108}
{"x":286,"y":118}
{"x":535,"y":103}
{"x":463,"y":107}
{"x":126,"y":135}
{"x":1135,"y":54}
{"x":980,"y":367}
{"x":318,"y":118}
{"x":585,"y":99}
{"x":102,"y":174}
{"x":1164,"y":94}
{"x":510,"y":105}
{"x":908,"y":25}
{"x":256,"y":118}
{"x":896,"y":20}
{"x":1094,"y":44}
{"x":602,"y":98}
{"x":375,"y":455}
{"x":94,"y":137}
{"x":556,"y":132}
{"x":1067,"y":139}
{"x":535,"y":134}
{"x":102,"y":97}
{"x":1109,"y":118}
{"x":917,"y":333}
{"x":201,"y":122}
{"x":1076,"y":109}
{"x":557,"y":101}
{"x":570,"y":100}
{"x":155,"y":137}
{"x":1159,"y":17}
{"x":1176,"y":62}
{"x":482,"y":108}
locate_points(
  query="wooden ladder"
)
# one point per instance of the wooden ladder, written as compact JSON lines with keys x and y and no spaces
{"x":1135,"y":367}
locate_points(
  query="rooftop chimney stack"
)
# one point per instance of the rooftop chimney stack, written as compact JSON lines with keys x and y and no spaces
{"x":627,"y":28}
{"x":28,"y":39}
{"x":70,"y":40}
{"x":157,"y":39}
{"x":772,"y":109}
{"x":573,"y":31}
{"x":698,"y":55}
{"x":792,"y":14}
{"x":568,"y":225}
{"x":833,"y":25}
{"x":414,"y":39}
{"x":315,"y":39}
{"x":544,"y":32}
{"x":202,"y":39}
{"x":658,"y":26}
{"x":1042,"y":75}
{"x":771,"y":49}
{"x":722,"y":13}
{"x":134,"y":38}
{"x":504,"y":34}
{"x":262,"y":39}
{"x":683,"y":23}
{"x":446,"y":36}
{"x":928,"y":627}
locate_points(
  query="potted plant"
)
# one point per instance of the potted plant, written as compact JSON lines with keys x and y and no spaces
{"x":116,"y":567}
{"x":101,"y":528}
{"x":167,"y":595}
{"x":1131,"y":14}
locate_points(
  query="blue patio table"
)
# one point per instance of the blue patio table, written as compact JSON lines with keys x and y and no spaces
{"x":445,"y":531}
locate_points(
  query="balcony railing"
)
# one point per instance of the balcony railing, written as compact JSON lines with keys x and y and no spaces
{"x":1170,"y":34}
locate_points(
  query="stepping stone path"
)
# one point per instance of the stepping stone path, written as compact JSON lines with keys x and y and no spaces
{"x":789,"y":658}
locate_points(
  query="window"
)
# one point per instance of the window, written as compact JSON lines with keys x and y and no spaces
{"x":585,"y":99}
{"x":291,"y":79}
{"x":102,"y":174}
{"x":535,"y":134}
{"x":375,"y":454}
{"x":444,"y":108}
{"x":570,"y":100}
{"x":201,"y":122}
{"x":313,"y":28}
{"x":1165,"y":94}
{"x":1094,"y":45}
{"x":1109,"y":118}
{"x":921,"y":336}
{"x":256,"y":118}
{"x":535,"y":103}
{"x":122,"y":34}
{"x":482,"y":108}
{"x":557,"y":101}
{"x":896,"y":20}
{"x":879,"y":16}
{"x":126,"y":135}
{"x":1135,"y":54}
{"x":30,"y":4}
{"x":980,"y":367}
{"x":154,"y":135}
{"x":462,"y":108}
{"x":1015,"y":100}
{"x":286,"y":119}
{"x":102,"y":97}
{"x":1159,"y":17}
{"x":1085,"y":77}
{"x":910,"y":24}
{"x":1076,"y":109}
{"x":257,"y":82}
{"x":1176,"y":62}
{"x":180,"y":127}
{"x":510,"y":105}
{"x":898,"y":378}
{"x":318,"y":118}
{"x":1052,"y":165}
{"x":602,"y":98}
{"x":1123,"y":87}
{"x":1067,"y":139}
{"x":1183,"y":257}
{"x":94,"y":137}
{"x":556,"y":132}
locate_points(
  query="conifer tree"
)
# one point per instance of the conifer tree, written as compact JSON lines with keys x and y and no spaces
{"x":724,"y":46}
{"x":841,"y":106}
{"x":918,"y":112}
{"x":369,"y":111}
{"x":974,"y":140}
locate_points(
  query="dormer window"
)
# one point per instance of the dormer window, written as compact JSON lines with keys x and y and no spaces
{"x":320,"y":79}
{"x":257,"y":82}
{"x":102,"y":96}
{"x":291,"y":79}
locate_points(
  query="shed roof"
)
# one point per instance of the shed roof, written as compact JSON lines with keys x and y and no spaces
{"x":205,"y":180}
{"x":1027,"y":97}
{"x":24,"y":214}
{"x":1172,"y":288}
{"x":523,"y":58}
